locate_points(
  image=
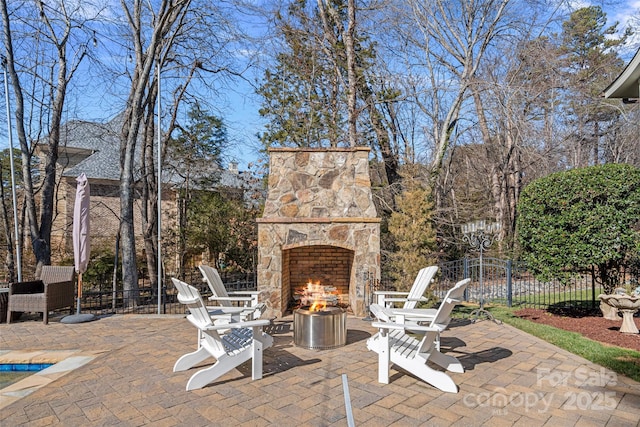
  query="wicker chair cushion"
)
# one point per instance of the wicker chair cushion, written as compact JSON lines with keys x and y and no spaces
{"x":33,"y":287}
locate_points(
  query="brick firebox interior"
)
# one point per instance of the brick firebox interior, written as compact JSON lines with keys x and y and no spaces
{"x":321,"y":264}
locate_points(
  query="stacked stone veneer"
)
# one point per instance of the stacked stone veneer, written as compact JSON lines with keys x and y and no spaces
{"x":317,"y":198}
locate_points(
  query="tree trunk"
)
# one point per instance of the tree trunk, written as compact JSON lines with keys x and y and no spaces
{"x":596,"y":143}
{"x":169,"y":15}
{"x":47,"y":206}
{"x":149,"y":192}
{"x":127,"y":194}
{"x":351,"y":74}
{"x":9,"y":263}
{"x":27,"y":183}
{"x":182,"y":229}
{"x":389,"y":157}
{"x":57,"y":34}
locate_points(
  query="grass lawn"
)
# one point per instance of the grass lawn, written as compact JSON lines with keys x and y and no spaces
{"x":620,"y":360}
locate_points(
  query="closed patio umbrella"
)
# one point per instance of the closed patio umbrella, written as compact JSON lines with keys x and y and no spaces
{"x":81,"y":241}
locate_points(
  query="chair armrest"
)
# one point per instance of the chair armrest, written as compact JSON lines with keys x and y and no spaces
{"x":399,"y":296}
{"x":415,"y":313}
{"x":254,"y":293}
{"x":59,"y":294}
{"x":390,"y":297}
{"x":236,"y":325}
{"x":231,"y":299}
{"x":219,"y":310}
{"x":235,"y":314}
{"x":393,"y":293}
{"x":412,"y":327}
{"x":58,"y":286}
{"x":421,"y":299}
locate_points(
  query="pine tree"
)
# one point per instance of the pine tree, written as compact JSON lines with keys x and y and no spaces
{"x":302,"y":97}
{"x":412,"y":230}
{"x":590,"y":64}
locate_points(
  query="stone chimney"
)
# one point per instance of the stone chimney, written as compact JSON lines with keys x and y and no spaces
{"x":320,"y":224}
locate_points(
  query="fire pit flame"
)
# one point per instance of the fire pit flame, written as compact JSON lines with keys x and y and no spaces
{"x":317,"y":297}
{"x":318,"y":306}
{"x":317,"y":326}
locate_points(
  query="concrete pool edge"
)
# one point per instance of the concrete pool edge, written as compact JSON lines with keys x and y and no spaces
{"x":64,"y":361}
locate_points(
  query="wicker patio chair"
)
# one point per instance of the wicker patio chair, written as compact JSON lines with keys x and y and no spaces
{"x":54,"y":290}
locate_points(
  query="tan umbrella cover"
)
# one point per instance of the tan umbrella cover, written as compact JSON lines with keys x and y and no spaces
{"x":81,"y":229}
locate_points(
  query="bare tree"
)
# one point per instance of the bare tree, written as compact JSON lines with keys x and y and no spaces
{"x":327,"y":9}
{"x":471,"y":106}
{"x":59,"y":33}
{"x":180,"y":41}
{"x":454,"y":37}
{"x":147,"y":49}
{"x":7,"y":229}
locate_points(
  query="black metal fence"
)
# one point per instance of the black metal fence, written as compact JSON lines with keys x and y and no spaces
{"x":509,"y":283}
{"x":497,"y":281}
{"x":145,"y":299}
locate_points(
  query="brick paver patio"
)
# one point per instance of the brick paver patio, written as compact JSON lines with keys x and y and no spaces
{"x":511,"y":378}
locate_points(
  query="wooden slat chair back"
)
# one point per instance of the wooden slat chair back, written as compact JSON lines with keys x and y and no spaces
{"x":453,"y":297}
{"x":409,"y":299}
{"x":224,"y":298}
{"x":420,"y":285}
{"x":212,"y":277}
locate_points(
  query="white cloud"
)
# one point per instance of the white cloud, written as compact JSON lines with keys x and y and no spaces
{"x":628,"y":15}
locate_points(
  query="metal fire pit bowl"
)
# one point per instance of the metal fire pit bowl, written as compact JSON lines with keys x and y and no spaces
{"x":320,"y":330}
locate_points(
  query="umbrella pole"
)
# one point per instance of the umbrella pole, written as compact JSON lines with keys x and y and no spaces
{"x":78,"y":318}
{"x":79,"y":292}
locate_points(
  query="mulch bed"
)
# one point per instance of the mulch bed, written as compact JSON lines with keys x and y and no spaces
{"x":591,"y":326}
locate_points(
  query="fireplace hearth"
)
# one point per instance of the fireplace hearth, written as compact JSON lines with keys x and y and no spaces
{"x":319,"y":223}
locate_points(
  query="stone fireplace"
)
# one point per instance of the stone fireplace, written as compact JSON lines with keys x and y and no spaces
{"x":319,"y":225}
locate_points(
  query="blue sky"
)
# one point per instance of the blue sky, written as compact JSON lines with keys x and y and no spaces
{"x":626,"y":13}
{"x":241,"y":104}
{"x":244,"y":121}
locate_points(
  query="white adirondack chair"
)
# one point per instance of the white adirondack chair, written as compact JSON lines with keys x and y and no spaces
{"x":230,"y":300}
{"x":421,"y":316}
{"x":231,"y":344}
{"x":416,"y":293}
{"x":395,"y":343}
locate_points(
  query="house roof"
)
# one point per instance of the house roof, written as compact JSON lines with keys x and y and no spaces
{"x":627,"y":84}
{"x":94,"y":149}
